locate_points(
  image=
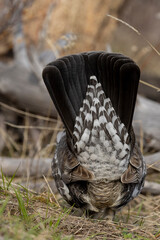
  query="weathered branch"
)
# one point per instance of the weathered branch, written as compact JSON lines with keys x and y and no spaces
{"x":151,"y":188}
{"x":25,"y":167}
{"x":9,"y":12}
{"x":38,"y":167}
{"x":153,"y":161}
{"x":42,"y":166}
{"x":148,"y":113}
{"x":24,"y":89}
{"x":147,"y":122}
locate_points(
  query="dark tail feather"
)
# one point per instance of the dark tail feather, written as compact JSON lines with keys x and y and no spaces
{"x":53,"y":80}
{"x":129,"y":80}
{"x":66,"y":82}
{"x":120,"y":78}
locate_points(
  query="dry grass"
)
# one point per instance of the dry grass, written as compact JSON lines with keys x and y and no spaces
{"x":27,"y":215}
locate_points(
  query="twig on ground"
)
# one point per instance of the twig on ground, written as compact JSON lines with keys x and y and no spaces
{"x":51,"y":190}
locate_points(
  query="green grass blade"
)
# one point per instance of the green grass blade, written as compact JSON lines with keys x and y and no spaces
{"x":4,"y":206}
{"x":3,"y":179}
{"x":9,"y":182}
{"x":21,"y":205}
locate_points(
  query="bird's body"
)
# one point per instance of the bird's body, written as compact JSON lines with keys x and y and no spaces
{"x":97,"y":165}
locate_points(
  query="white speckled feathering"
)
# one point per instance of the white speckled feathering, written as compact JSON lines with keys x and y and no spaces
{"x":101,"y":140}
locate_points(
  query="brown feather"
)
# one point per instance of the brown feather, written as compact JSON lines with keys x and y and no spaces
{"x":134,"y":172}
{"x":130,"y":175}
{"x":80,"y":173}
{"x":70,"y":167}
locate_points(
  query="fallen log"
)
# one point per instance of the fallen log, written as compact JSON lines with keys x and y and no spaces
{"x":23,"y":167}
{"x":147,"y":123}
{"x":151,"y":188}
{"x":148,"y":113}
{"x":153,"y":162}
{"x":36,"y":168}
{"x":24,"y":90}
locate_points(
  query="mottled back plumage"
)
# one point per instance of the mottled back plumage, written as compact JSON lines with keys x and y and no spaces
{"x":97,"y":164}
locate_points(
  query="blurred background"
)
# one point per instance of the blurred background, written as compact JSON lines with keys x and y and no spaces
{"x":36,"y":32}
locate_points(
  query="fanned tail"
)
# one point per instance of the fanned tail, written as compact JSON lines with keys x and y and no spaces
{"x":67,"y":80}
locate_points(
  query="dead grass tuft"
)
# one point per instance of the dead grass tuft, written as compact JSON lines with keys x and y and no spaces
{"x":43,"y":218}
